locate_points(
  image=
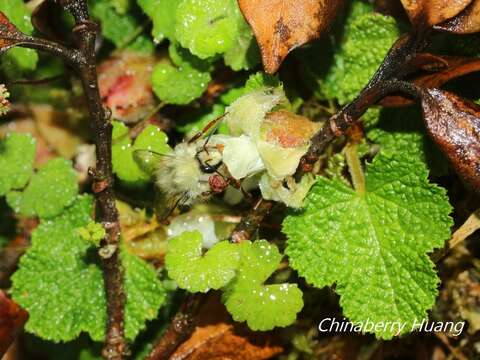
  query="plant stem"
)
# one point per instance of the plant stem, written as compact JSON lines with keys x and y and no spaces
{"x":355,"y":167}
{"x":250,"y":222}
{"x":115,"y":345}
{"x":471,"y":225}
{"x":180,"y":329}
{"x":82,"y":58}
{"x":399,"y":62}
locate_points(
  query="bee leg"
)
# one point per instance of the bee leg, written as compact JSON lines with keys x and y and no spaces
{"x":246,"y":194}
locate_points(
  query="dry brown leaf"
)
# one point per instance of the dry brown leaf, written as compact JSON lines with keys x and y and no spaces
{"x":12,"y":318}
{"x":454,"y":124}
{"x":433,"y":12}
{"x":6,"y":27}
{"x":282,"y":25}
{"x":217,"y":337}
{"x":467,"y":22}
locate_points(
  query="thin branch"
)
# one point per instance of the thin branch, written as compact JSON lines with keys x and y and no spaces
{"x":180,"y":329}
{"x":83,"y":60}
{"x":115,"y":345}
{"x":250,"y":222}
{"x":400,"y":61}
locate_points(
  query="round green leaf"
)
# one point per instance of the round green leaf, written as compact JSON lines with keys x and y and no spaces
{"x":263,"y":307}
{"x":196,"y":272}
{"x":50,"y":190}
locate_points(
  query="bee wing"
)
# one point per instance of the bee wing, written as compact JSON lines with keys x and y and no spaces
{"x":166,"y":205}
{"x":148,"y":160}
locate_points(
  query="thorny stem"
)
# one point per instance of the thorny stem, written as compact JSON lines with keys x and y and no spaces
{"x":83,"y":60}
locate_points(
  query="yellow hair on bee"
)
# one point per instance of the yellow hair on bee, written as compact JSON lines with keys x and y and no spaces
{"x":179,"y":174}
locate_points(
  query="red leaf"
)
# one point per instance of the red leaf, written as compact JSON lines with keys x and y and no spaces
{"x":282,"y":25}
{"x":454,"y":124}
{"x":12,"y":318}
{"x":9,"y":34}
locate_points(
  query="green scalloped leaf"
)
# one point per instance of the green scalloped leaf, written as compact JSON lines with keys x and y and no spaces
{"x":263,"y":307}
{"x":207,"y":27}
{"x":124,"y":164}
{"x":17,"y":153}
{"x":60,"y":282}
{"x":60,"y":287}
{"x":180,"y":85}
{"x":401,"y":130}
{"x":144,"y":291}
{"x":341,"y":65}
{"x":195,"y":122}
{"x":182,"y":57}
{"x":162,"y":13}
{"x":18,"y":60}
{"x":374,"y":245}
{"x":244,"y":53}
{"x":197,"y":272}
{"x":93,"y":233}
{"x":120,"y":28}
{"x":50,"y":190}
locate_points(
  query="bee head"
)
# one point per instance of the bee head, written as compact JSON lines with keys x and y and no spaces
{"x":209,"y":159}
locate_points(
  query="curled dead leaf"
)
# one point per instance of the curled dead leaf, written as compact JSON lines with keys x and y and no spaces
{"x":433,"y":12}
{"x":12,"y":318}
{"x":454,"y":124}
{"x":282,"y":25}
{"x":467,"y":22}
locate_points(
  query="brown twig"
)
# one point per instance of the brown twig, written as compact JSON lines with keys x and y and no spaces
{"x":82,"y":59}
{"x":250,"y":222}
{"x":400,"y":61}
{"x":180,"y":329}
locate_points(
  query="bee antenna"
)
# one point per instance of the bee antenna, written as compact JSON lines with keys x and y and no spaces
{"x":213,"y":123}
